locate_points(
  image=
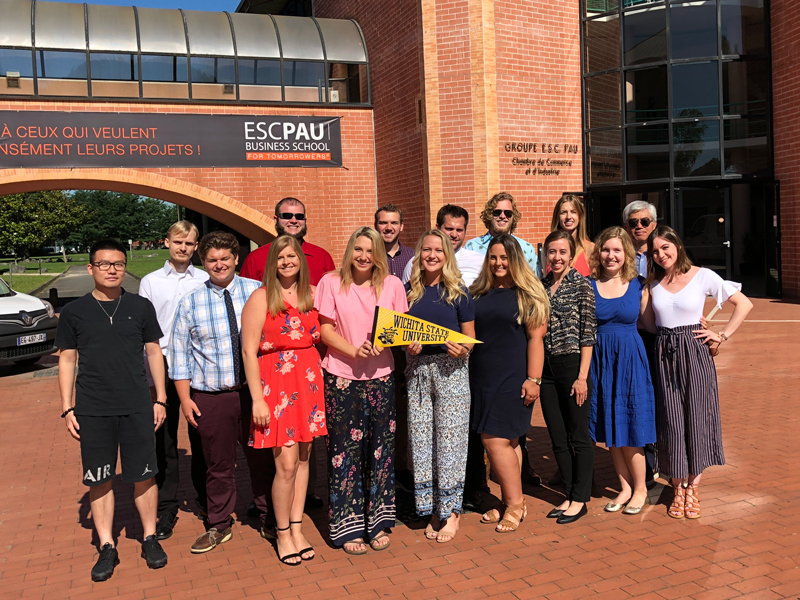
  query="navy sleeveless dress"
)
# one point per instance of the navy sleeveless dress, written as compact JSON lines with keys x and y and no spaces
{"x":622,"y":411}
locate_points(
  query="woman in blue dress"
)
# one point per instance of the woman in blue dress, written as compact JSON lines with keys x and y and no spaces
{"x":622,"y":412}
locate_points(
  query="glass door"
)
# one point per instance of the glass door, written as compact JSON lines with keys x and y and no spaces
{"x":705,"y":227}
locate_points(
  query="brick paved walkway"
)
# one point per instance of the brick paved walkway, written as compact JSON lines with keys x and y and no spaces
{"x":745,"y":546}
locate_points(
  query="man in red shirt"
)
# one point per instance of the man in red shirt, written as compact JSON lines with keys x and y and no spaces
{"x":290,"y":219}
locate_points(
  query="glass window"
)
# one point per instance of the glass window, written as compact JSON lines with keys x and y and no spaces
{"x":213,"y":70}
{"x":601,"y":44}
{"x":745,"y":87}
{"x":259,"y":72}
{"x":648,"y":152}
{"x":61,"y":65}
{"x":18,"y":61}
{"x":595,"y":7}
{"x":746,"y":148}
{"x":696,"y":149}
{"x":346,"y":81}
{"x":304,"y":81}
{"x":604,"y":152}
{"x":693,"y":29}
{"x":164,"y":68}
{"x":116,"y":67}
{"x":645,"y":36}
{"x":646,"y":97}
{"x":743,"y":27}
{"x":695,"y":90}
{"x":630,"y":3}
{"x":602,"y":100}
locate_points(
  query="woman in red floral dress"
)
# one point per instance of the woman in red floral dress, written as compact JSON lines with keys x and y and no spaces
{"x":279,"y":329}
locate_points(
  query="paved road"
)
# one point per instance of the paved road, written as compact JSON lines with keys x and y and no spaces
{"x":77,"y":282}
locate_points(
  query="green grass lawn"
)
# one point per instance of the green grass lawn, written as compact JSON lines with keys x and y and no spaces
{"x":27,"y":283}
{"x":140,"y":264}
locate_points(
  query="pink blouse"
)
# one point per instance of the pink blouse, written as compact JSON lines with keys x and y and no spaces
{"x":353,"y":313}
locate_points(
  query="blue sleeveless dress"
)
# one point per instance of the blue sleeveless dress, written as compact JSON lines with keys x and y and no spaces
{"x":622,"y":411}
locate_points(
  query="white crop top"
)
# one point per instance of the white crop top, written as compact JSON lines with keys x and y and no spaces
{"x":686,"y":306}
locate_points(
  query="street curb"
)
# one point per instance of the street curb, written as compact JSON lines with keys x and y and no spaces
{"x":47,"y":284}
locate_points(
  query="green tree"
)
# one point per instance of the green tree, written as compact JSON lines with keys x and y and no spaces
{"x":29,"y":221}
{"x":122,"y":217}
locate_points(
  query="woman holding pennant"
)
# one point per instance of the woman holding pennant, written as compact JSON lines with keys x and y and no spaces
{"x":438,"y":385}
{"x":359,"y":394}
{"x":511,"y":314}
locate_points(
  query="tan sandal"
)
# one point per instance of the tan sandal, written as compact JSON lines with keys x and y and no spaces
{"x":677,"y":509}
{"x":492,"y":515}
{"x":692,"y":506}
{"x":512,"y":517}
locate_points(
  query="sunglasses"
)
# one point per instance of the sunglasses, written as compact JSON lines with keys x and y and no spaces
{"x":634,"y":222}
{"x":290,"y":216}
{"x":508,"y":214}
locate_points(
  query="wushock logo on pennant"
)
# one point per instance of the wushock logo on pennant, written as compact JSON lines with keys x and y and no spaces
{"x":390,"y":328}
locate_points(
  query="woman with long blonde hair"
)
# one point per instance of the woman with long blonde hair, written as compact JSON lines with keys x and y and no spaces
{"x":622,"y":412}
{"x":279,"y":329}
{"x":569,"y":215}
{"x":511,"y":313}
{"x":359,"y":394}
{"x":438,"y":386}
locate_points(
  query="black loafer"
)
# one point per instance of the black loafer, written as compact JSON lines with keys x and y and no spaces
{"x":567,"y":519}
{"x":165,"y":525}
{"x":106,"y":563}
{"x":153,"y":553}
{"x":555,"y":513}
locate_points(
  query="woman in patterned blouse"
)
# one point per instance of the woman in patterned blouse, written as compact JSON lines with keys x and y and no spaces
{"x":568,"y":345}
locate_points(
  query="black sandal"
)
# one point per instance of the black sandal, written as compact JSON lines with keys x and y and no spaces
{"x":284,"y":559}
{"x":304,"y":550}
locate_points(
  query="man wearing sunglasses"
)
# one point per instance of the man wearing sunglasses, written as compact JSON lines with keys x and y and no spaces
{"x":639,"y":219}
{"x":290,"y":219}
{"x":111,"y":411}
{"x":501,"y":215}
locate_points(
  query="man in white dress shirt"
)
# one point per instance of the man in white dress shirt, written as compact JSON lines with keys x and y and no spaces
{"x":453,"y":220}
{"x":165,"y":288}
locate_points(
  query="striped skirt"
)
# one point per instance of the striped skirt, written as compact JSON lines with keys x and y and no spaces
{"x":687,"y":404}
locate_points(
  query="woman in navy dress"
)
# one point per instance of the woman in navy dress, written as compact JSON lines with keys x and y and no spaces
{"x":622,"y":412}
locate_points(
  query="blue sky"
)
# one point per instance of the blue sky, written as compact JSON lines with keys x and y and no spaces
{"x":229,"y":5}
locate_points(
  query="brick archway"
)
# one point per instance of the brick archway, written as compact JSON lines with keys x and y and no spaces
{"x":249,"y":222}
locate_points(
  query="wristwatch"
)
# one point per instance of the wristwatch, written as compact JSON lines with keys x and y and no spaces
{"x":723,"y":336}
{"x":536,"y":380}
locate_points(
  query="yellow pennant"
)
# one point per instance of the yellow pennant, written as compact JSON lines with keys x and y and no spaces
{"x":392,"y":328}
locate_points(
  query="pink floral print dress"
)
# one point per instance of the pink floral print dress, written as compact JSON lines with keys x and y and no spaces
{"x":291,"y":380}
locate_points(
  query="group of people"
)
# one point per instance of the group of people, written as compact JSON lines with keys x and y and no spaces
{"x":608,"y":335}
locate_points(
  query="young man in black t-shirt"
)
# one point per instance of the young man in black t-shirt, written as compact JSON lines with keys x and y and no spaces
{"x":112,"y":409}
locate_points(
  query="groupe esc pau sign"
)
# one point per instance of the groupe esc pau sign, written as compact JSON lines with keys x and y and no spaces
{"x":84,"y":139}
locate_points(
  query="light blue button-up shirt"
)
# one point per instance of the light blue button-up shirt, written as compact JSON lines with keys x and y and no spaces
{"x":481,"y":244}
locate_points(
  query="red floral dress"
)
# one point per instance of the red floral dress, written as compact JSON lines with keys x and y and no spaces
{"x":291,"y":378}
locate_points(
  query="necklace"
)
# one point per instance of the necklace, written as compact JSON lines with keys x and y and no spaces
{"x":110,"y":316}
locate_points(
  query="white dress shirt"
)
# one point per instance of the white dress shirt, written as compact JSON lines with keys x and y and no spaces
{"x":165,"y":288}
{"x":469,"y":263}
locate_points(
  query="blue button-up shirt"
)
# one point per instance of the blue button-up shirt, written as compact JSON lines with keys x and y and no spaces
{"x":481,"y":244}
{"x":641,"y":263}
{"x":200,"y":347}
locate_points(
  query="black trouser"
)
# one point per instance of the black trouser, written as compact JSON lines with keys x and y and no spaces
{"x":568,"y":424}
{"x":475,"y":476}
{"x":649,"y":341}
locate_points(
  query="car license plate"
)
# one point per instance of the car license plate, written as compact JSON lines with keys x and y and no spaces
{"x":24,"y":340}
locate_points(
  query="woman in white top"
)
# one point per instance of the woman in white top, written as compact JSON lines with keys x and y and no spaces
{"x":687,"y":403}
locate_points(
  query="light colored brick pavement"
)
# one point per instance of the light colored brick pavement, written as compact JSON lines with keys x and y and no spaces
{"x":747,"y":545}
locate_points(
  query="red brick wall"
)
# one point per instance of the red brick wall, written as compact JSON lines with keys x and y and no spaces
{"x":393,"y":34}
{"x":538,"y":100}
{"x":338,"y":200}
{"x":785,"y":20}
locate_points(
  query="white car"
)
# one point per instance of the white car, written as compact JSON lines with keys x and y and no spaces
{"x":27,"y":327}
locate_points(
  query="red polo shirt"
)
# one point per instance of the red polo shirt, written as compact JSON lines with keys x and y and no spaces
{"x":318,"y":259}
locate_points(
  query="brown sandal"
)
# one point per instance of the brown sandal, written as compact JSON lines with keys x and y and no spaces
{"x":492,"y":515}
{"x":512,"y":517}
{"x":692,"y":502}
{"x":677,"y":510}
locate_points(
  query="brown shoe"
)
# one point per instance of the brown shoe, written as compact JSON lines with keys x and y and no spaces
{"x":210,"y":539}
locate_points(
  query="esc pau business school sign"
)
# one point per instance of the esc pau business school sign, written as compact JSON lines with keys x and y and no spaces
{"x":85,"y":139}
